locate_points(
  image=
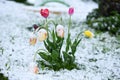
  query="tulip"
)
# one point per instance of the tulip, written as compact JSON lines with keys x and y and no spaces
{"x":88,"y":34}
{"x":33,"y":39}
{"x":44,"y":12}
{"x":60,"y":31}
{"x":71,"y":11}
{"x":42,"y":35}
{"x":35,"y":26}
{"x":33,"y":67}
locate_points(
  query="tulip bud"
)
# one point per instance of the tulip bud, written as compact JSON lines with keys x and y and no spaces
{"x":35,"y":26}
{"x":33,"y":67}
{"x":71,"y":11}
{"x":42,"y":34}
{"x":88,"y":34}
{"x":44,"y":12}
{"x":33,"y":39}
{"x":60,"y":31}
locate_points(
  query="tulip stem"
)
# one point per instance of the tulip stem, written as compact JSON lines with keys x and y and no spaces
{"x":46,"y":24}
{"x":69,"y":25}
{"x":57,"y":1}
{"x":46,"y":20}
{"x":34,"y":56}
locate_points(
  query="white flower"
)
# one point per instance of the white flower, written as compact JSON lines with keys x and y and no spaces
{"x":42,"y":34}
{"x":33,"y":39}
{"x":60,"y":31}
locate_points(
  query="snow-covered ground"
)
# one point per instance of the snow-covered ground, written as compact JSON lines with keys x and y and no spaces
{"x":99,"y":57}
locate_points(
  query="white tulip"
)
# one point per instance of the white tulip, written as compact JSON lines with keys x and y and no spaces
{"x":33,"y":39}
{"x":60,"y":31}
{"x":42,"y":34}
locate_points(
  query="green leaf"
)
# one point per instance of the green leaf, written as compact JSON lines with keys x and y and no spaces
{"x":74,"y":45}
{"x":68,"y":43}
{"x":53,"y":36}
{"x":42,"y":64}
{"x":59,"y":43}
{"x":45,"y":56}
{"x":69,"y":61}
{"x":67,"y":57}
{"x":47,"y":47}
{"x":55,"y":55}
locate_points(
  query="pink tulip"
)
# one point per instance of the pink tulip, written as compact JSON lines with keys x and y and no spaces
{"x":33,"y":67}
{"x":71,"y":11}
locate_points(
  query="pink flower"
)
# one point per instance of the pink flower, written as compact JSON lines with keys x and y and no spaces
{"x":33,"y":67}
{"x":60,"y":31}
{"x":71,"y":11}
{"x":44,"y":12}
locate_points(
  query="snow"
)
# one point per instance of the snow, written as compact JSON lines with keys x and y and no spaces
{"x":18,"y":54}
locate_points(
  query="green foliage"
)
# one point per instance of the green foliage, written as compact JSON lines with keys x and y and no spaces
{"x":57,"y":1}
{"x":43,"y":2}
{"x":20,"y":0}
{"x":55,"y":58}
{"x":111,"y":23}
{"x":23,"y":1}
{"x":2,"y":77}
{"x":97,"y":1}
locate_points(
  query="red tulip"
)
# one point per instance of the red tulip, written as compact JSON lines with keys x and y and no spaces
{"x":71,"y":11}
{"x":44,"y":12}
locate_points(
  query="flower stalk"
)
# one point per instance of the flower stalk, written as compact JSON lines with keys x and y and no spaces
{"x":69,"y":24}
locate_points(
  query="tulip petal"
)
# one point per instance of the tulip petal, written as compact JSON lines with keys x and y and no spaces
{"x":42,"y":34}
{"x":44,"y":13}
{"x":60,"y":31}
{"x":33,"y":39}
{"x":88,"y":34}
